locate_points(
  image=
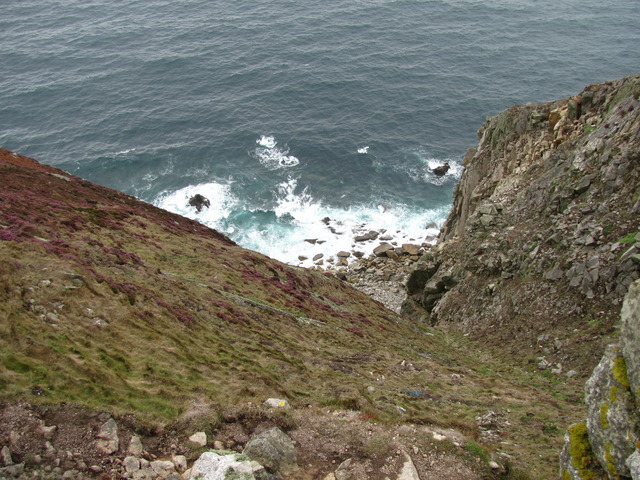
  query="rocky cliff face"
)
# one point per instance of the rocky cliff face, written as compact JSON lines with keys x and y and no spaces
{"x":542,"y":242}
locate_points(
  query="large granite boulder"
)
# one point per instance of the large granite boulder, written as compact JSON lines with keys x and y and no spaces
{"x":612,"y":417}
{"x":274,"y":449}
{"x":226,"y":465}
{"x":606,"y":445}
{"x":630,"y":335}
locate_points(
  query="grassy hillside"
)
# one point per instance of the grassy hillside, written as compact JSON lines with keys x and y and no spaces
{"x":109,"y":302}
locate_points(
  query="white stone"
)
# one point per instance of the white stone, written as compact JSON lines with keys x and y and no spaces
{"x":633,"y":462}
{"x":6,"y":456}
{"x":277,"y":403}
{"x":160,"y":467}
{"x":131,"y":464}
{"x":408,"y":471}
{"x":199,"y":438}
{"x":180,"y":461}
{"x":108,"y":437}
{"x":48,"y":432}
{"x":218,"y":445}
{"x":135,"y":446}
{"x":211,"y":466}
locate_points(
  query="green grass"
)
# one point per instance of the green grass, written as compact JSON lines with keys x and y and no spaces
{"x":630,"y":238}
{"x":477,"y":450}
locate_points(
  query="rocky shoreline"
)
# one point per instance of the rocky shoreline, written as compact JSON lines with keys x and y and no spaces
{"x":381,"y":275}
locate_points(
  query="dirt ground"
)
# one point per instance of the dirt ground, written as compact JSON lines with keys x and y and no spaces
{"x":329,"y":444}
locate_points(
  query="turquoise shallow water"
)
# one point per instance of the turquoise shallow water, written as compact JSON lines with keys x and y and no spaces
{"x":284,"y":113}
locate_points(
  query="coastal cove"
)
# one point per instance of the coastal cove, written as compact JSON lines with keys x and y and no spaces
{"x":284,"y":114}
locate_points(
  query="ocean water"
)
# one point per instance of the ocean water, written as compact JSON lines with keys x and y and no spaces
{"x":303,"y":123}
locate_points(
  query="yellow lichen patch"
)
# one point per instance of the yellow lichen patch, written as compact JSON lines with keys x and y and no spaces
{"x":620,"y":372}
{"x":580,"y":451}
{"x":611,"y":466}
{"x":613,"y":394}
{"x":604,"y":410}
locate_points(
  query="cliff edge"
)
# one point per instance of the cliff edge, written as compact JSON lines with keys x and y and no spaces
{"x":542,"y":242}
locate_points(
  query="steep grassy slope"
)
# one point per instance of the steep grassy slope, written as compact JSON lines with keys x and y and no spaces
{"x":109,"y":302}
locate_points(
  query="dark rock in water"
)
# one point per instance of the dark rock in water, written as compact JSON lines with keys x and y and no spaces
{"x":199,"y":202}
{"x":326,"y":220}
{"x":372,"y":235}
{"x":441,"y":170}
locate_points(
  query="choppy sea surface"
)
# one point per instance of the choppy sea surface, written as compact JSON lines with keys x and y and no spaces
{"x":297,"y":120}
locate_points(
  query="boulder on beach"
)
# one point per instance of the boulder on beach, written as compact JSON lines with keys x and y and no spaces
{"x":199,"y":201}
{"x":372,"y":235}
{"x":383,"y":250}
{"x":411,"y":249}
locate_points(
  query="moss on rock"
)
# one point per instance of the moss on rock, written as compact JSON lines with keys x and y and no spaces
{"x":582,"y":457}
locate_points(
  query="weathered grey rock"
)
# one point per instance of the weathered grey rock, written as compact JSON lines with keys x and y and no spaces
{"x":274,"y":449}
{"x":108,"y":441}
{"x":162,"y":467}
{"x":411,"y":249}
{"x":48,"y":432}
{"x":630,"y":336}
{"x":131,"y":464}
{"x":372,"y":235}
{"x":12,"y":470}
{"x":633,"y":463}
{"x":213,"y":466}
{"x":577,"y":460}
{"x":554,"y":274}
{"x":180,"y":462}
{"x":583,"y":185}
{"x":199,"y":438}
{"x":611,"y":417}
{"x":408,"y":471}
{"x":218,"y":445}
{"x":382,"y":249}
{"x":135,"y":446}
{"x":6,"y":456}
{"x":50,"y":449}
{"x":343,"y":471}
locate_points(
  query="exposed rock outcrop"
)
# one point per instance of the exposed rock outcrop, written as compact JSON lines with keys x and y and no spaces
{"x":199,"y":202}
{"x":605,"y":446}
{"x":544,"y":226}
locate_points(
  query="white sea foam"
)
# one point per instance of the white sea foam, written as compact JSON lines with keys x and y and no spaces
{"x":306,"y":227}
{"x":364,"y":149}
{"x":124,"y":152}
{"x":273,"y":156}
{"x":454,"y":172}
{"x":222,"y":202}
{"x":297,"y":227}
